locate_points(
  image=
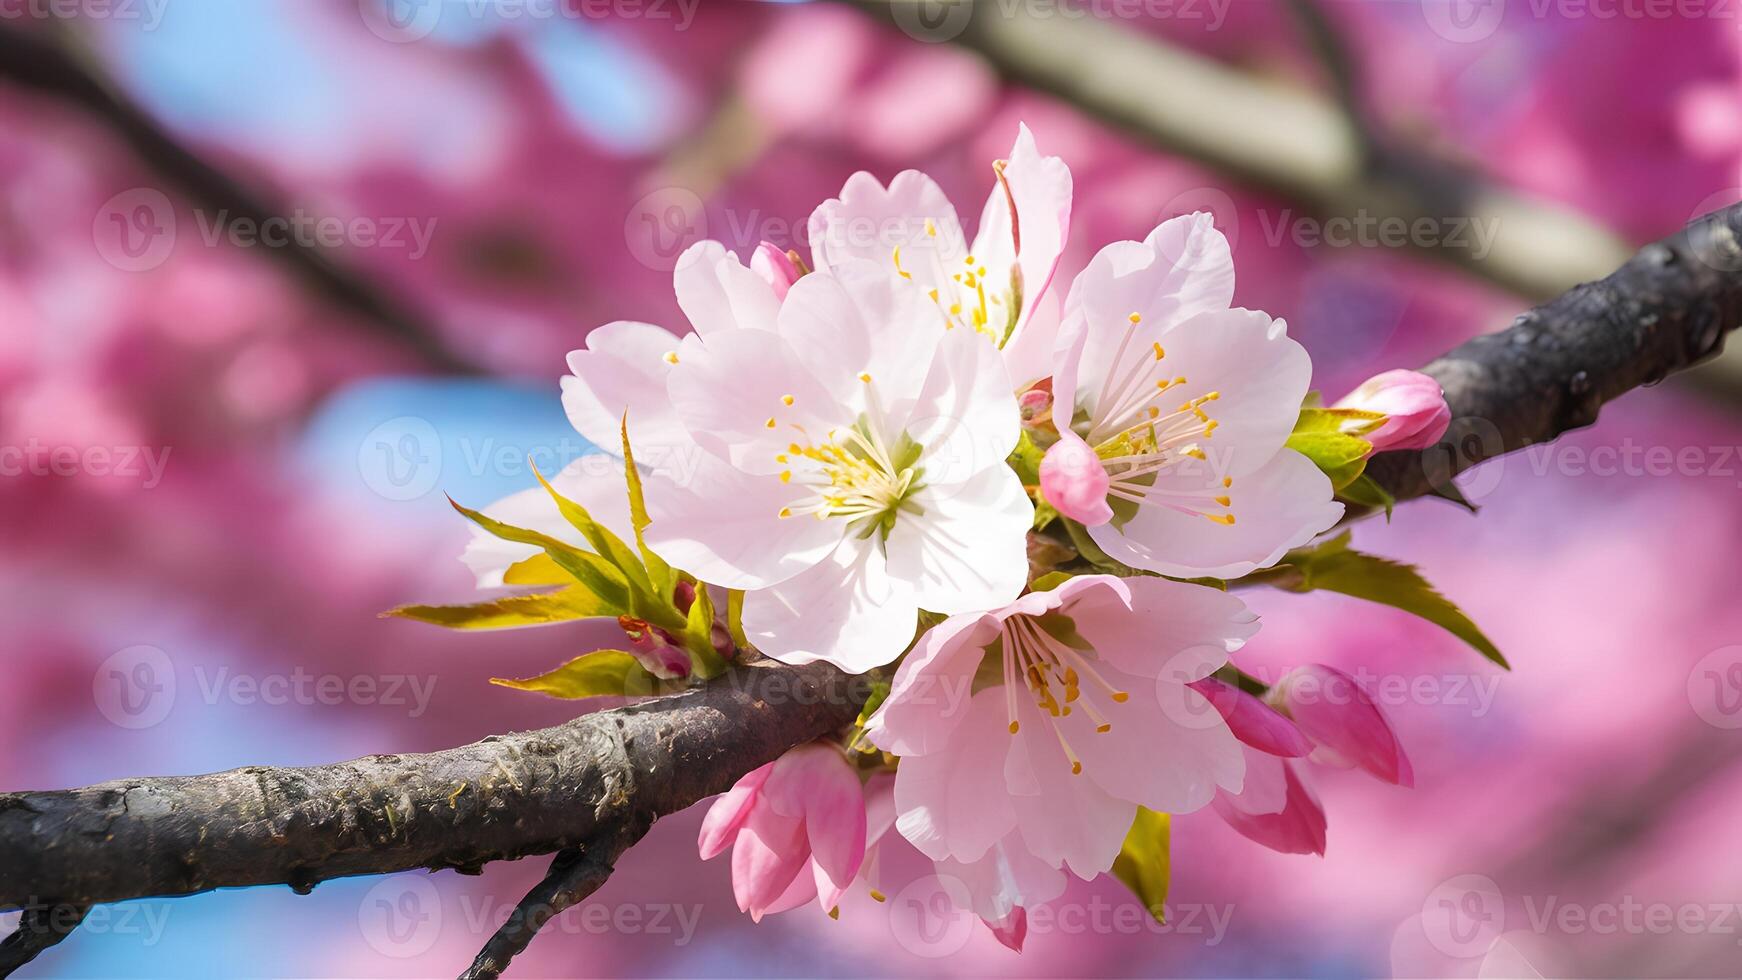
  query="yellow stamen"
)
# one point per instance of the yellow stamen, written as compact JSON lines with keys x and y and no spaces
{"x":1135,"y":318}
{"x":786,"y":400}
{"x":671,"y":357}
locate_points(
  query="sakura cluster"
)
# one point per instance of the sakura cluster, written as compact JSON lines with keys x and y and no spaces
{"x":1018,"y":502}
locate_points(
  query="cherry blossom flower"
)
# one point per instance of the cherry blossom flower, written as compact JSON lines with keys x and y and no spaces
{"x":797,"y":830}
{"x":853,"y":470}
{"x":1056,"y":716}
{"x":995,"y":284}
{"x":1415,"y":406}
{"x":1186,"y":404}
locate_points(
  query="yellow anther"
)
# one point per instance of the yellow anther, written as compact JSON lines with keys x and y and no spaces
{"x":786,"y":512}
{"x":1076,"y":768}
{"x":1121,"y":697}
{"x":794,"y":448}
{"x":1195,"y":453}
{"x":865,"y":376}
{"x":770,"y":422}
{"x":877,"y":896}
{"x":955,"y":309}
{"x":786,"y":477}
{"x":1015,"y":727}
{"x":931,"y":228}
{"x":1227,"y":519}
{"x":671,"y":357}
{"x":1105,"y":728}
{"x":786,"y":399}
{"x":1159,"y":353}
{"x":835,"y":913}
{"x":1227,"y":481}
{"x":1225,"y":501}
{"x":968,"y":261}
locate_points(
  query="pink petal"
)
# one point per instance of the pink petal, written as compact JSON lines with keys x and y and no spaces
{"x":718,"y":294}
{"x":727,"y":815}
{"x":1334,"y":711}
{"x":954,"y":803}
{"x":1254,"y":722}
{"x":1011,"y":930}
{"x":929,"y":695}
{"x":775,"y":267}
{"x":769,"y":853}
{"x":1298,"y":829}
{"x":815,"y":781}
{"x":1074,"y":481}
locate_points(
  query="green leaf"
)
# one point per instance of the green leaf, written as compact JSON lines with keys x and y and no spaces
{"x":1340,"y":456}
{"x":606,"y":544}
{"x":1335,"y":567}
{"x":735,"y":618}
{"x":598,"y":575}
{"x":537,"y":570}
{"x":657,"y":569}
{"x":1447,"y":490}
{"x":1348,"y":421}
{"x":1144,"y":861}
{"x":1367,"y":492}
{"x":1049,"y":581}
{"x":698,"y":636}
{"x":605,"y":672}
{"x":562,"y":606}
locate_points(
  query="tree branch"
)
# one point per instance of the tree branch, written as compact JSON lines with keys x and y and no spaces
{"x":590,"y":788}
{"x":40,"y":927}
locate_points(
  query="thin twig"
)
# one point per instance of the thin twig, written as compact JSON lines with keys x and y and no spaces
{"x":40,"y":927}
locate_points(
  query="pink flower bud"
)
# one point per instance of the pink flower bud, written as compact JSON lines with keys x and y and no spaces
{"x":797,"y":829}
{"x":1416,"y":406}
{"x":1036,"y":405}
{"x":775,"y":267}
{"x":655,"y":649}
{"x":1344,"y":720}
{"x":1252,"y":721}
{"x":1073,"y":480}
{"x":1277,"y":808}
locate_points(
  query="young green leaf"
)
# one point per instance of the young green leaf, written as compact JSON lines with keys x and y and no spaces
{"x":735,"y":618}
{"x":598,"y":575}
{"x":605,"y":672}
{"x":1367,"y":492}
{"x":657,"y":569}
{"x":537,"y":570}
{"x":1340,"y":456}
{"x":1335,"y":567}
{"x":606,"y":544}
{"x":1143,"y":862}
{"x":564,"y":605}
{"x":698,"y":636}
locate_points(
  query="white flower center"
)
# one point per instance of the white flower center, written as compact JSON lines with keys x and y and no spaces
{"x":1136,"y":439}
{"x":1051,"y":669}
{"x":855,"y":473}
{"x":972,"y":296}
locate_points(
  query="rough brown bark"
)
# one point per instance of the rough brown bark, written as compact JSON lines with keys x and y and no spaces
{"x":507,"y":796}
{"x":1550,"y":372}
